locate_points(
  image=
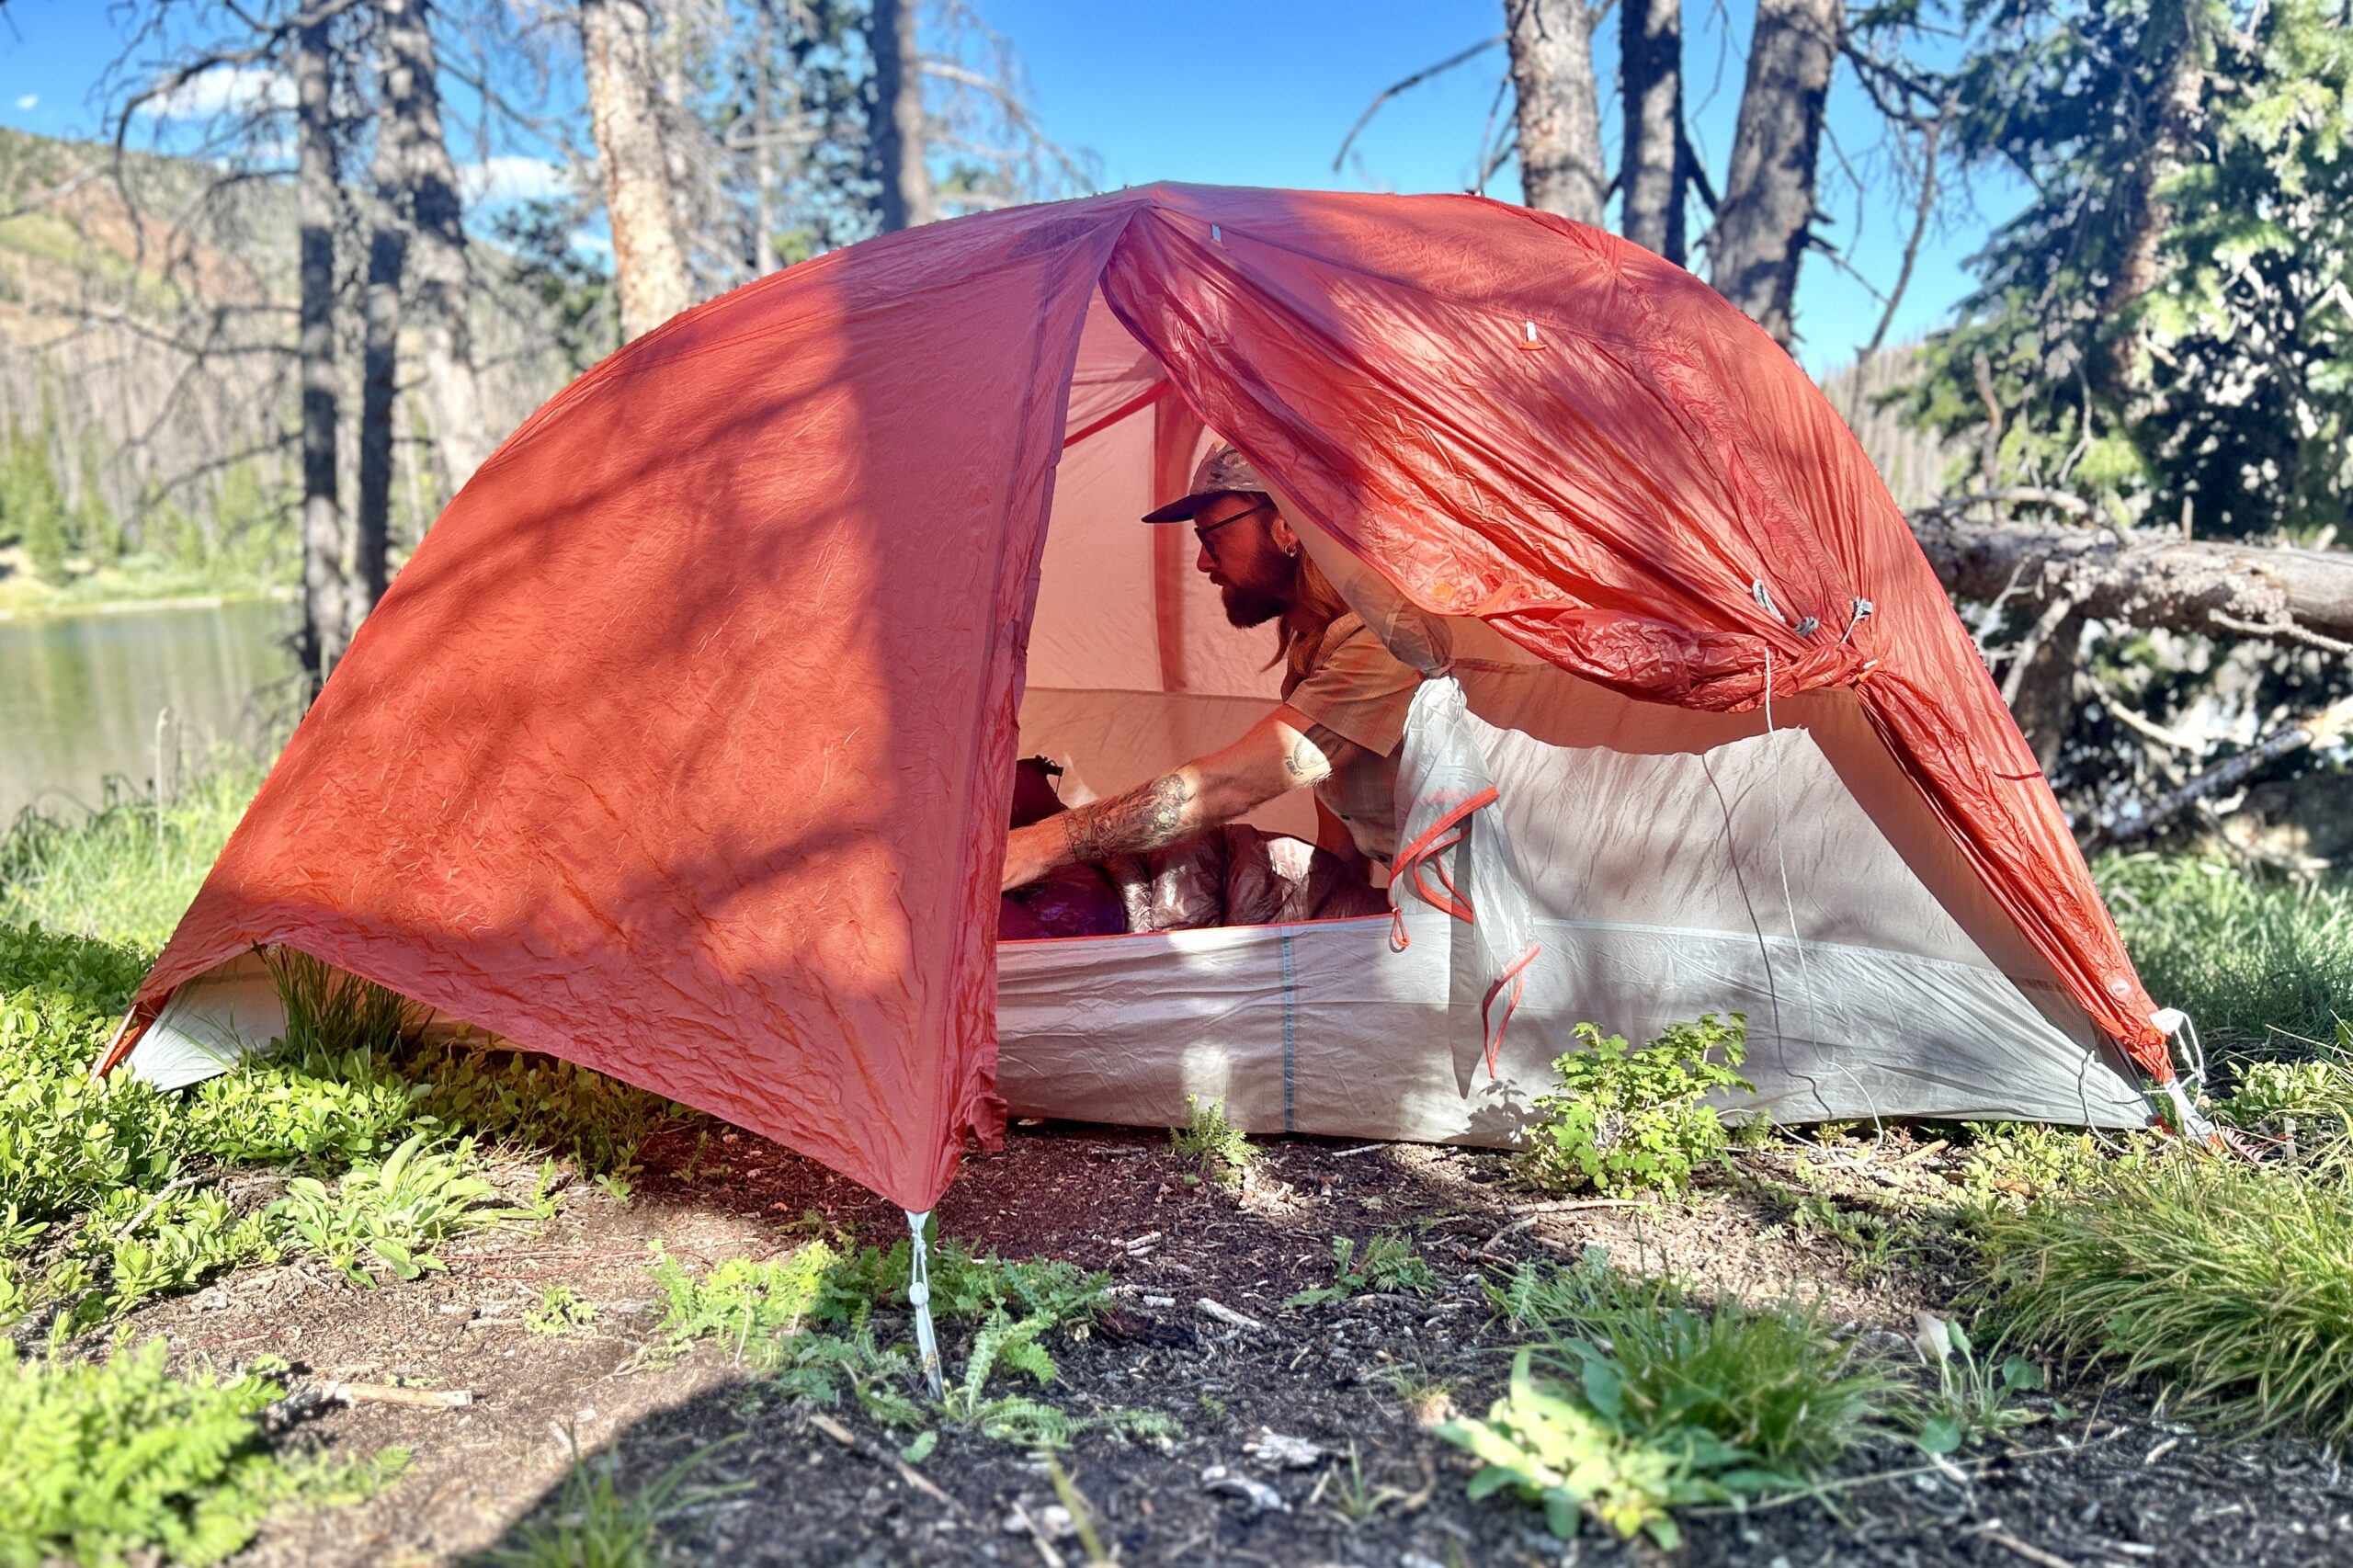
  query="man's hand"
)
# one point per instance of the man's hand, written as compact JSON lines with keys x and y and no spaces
{"x":1282,"y":752}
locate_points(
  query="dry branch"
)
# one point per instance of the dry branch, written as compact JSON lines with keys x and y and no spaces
{"x":2138,"y":577}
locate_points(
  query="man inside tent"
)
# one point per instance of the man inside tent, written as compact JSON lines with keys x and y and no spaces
{"x":1337,"y":729}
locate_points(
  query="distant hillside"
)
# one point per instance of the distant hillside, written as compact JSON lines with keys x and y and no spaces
{"x":146,"y":337}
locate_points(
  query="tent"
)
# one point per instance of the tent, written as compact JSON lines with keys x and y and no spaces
{"x":682,"y":747}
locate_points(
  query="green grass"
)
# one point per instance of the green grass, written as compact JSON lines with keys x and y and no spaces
{"x":2260,"y":963}
{"x":1632,"y":1400}
{"x":597,"y":1523}
{"x":2230,"y":1283}
{"x":125,"y":874}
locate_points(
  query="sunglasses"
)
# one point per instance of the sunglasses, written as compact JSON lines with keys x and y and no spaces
{"x":1203,"y":533}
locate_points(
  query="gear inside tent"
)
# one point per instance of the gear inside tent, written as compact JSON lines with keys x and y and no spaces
{"x":683,"y":746}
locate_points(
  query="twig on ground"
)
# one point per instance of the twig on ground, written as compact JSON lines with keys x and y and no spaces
{"x":1992,"y":1530}
{"x":1046,"y":1552}
{"x":177,"y":1184}
{"x":1570,"y":1205}
{"x":880,"y":1455}
{"x":1814,"y":1492}
{"x":1361,"y":1149}
{"x":1228,"y":1315}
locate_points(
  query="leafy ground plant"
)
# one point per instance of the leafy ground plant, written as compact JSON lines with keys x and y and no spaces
{"x":1627,"y":1118}
{"x":104,"y":1460}
{"x":2231,"y":1283}
{"x":1389,"y":1264}
{"x":392,"y":1214}
{"x":560,"y":1309}
{"x":1771,"y":1382}
{"x":1974,"y":1400}
{"x":1545,"y":1444}
{"x":1209,"y":1142}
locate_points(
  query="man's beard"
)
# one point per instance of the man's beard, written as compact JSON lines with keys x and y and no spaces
{"x":1255,"y":604}
{"x":1249,"y":607}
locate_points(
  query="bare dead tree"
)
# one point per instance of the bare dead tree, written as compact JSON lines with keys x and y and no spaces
{"x":444,"y":286}
{"x":388,"y":226}
{"x":1558,"y":106}
{"x":323,"y":595}
{"x":1655,"y":160}
{"x":649,"y":261}
{"x":896,"y":137}
{"x":1765,"y":222}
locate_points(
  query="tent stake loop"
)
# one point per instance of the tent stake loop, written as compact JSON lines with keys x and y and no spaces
{"x":919,"y":1298}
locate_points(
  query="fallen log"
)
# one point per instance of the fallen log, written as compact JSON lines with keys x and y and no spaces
{"x":2138,"y":576}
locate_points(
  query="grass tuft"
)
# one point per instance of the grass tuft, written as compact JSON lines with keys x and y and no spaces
{"x":2231,"y":1283}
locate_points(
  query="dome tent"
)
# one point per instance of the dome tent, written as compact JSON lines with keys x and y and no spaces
{"x":682,"y":747}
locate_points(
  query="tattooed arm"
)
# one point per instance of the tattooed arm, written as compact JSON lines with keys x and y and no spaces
{"x":1284,"y":751}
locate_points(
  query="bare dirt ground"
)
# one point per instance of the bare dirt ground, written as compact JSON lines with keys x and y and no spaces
{"x":2117,"y":1483}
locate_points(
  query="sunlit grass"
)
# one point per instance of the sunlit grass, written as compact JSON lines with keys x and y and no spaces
{"x":127,"y":872}
{"x":2258,"y":962}
{"x":2230,"y":1283}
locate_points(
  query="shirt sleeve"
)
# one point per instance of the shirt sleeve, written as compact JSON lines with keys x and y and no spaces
{"x":1358,"y":690}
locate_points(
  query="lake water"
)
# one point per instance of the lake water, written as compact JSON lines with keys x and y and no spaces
{"x":81,"y":695}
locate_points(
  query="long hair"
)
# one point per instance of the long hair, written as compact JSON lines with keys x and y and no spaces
{"x":1315,"y":605}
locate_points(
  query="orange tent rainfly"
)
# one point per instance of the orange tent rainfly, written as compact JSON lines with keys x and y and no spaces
{"x":682,"y":748}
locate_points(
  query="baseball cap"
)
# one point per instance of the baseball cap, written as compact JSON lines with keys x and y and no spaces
{"x":1222,"y":473}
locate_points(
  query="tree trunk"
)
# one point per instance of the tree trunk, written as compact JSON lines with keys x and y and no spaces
{"x":323,"y":593}
{"x":2139,"y":578}
{"x":649,"y":262}
{"x":1650,"y":50}
{"x":762,"y":151}
{"x":1766,"y":218}
{"x":2181,"y":82}
{"x":1558,"y":108}
{"x":442,"y":283}
{"x":371,"y":531}
{"x":896,"y":128}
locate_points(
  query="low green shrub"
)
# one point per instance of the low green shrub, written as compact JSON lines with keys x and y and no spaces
{"x":1389,"y":1264}
{"x":105,"y":1461}
{"x":2230,"y":1283}
{"x":1626,"y":1118}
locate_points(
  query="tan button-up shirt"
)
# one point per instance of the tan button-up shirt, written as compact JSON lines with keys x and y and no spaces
{"x":1359,"y":692}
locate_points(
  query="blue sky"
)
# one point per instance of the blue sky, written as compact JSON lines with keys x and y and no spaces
{"x":1224,"y":92}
